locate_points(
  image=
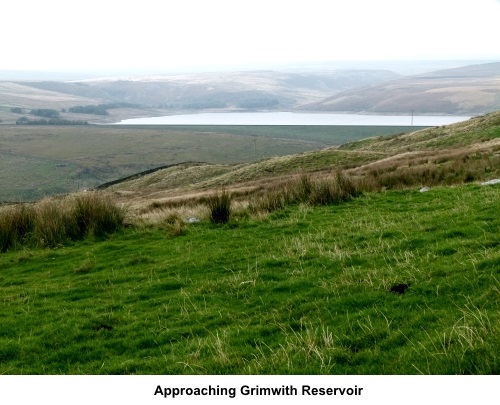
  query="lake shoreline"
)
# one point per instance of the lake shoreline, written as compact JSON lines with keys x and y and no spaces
{"x":294,"y":118}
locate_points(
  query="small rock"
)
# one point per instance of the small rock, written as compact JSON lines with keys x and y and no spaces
{"x":192,"y":220}
{"x":490,"y":182}
{"x":424,"y":189}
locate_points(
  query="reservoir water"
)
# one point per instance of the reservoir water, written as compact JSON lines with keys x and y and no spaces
{"x":289,"y":118}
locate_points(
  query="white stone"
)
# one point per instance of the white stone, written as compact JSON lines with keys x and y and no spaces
{"x":192,"y":220}
{"x":490,"y":182}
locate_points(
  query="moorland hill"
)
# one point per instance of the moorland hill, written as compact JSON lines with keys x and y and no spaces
{"x":466,"y":90}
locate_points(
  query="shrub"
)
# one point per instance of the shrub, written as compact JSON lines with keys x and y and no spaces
{"x":45,"y":112}
{"x":219,"y":205}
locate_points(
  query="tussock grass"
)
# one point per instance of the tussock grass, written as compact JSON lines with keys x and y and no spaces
{"x":95,"y":214}
{"x":219,"y":205}
{"x":52,"y":222}
{"x":16,"y":223}
{"x":430,"y":169}
{"x":304,"y":189}
{"x":166,"y":216}
{"x":332,"y":186}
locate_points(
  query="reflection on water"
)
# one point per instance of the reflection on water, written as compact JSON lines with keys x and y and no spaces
{"x":289,"y":118}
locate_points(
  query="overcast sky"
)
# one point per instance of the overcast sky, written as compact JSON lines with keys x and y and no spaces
{"x":173,"y":34}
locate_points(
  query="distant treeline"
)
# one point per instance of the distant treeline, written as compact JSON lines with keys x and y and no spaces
{"x":39,"y":112}
{"x":99,"y":109}
{"x":50,"y":121}
{"x":89,"y":109}
{"x":45,"y":112}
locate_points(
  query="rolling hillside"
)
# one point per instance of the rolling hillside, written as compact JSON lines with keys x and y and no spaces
{"x":468,"y":90}
{"x":26,"y":96}
{"x":458,"y":153}
{"x":38,"y":161}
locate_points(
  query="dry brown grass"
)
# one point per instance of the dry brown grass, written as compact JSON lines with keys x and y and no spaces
{"x":431,"y":168}
{"x":258,"y":197}
{"x":267,"y":196}
{"x":53,"y":221}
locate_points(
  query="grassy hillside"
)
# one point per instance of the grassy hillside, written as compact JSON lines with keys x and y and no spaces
{"x":307,"y":290}
{"x":387,"y":280}
{"x":453,"y":154}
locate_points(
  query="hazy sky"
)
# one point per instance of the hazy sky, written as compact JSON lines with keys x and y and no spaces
{"x":172,"y":34}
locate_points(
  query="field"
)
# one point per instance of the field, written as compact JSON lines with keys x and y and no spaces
{"x":37,"y":161}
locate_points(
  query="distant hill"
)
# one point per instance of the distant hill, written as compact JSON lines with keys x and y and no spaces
{"x":158,"y":95}
{"x":246,"y":90}
{"x":468,"y":90}
{"x":24,"y":95}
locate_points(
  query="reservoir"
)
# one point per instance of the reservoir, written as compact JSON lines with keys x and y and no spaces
{"x":290,"y":118}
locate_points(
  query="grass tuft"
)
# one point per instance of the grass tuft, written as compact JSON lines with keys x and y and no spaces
{"x":220,"y":207}
{"x":96,"y":215}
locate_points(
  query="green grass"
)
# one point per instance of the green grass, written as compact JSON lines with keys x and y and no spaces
{"x":305,"y":291}
{"x":476,"y":130}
